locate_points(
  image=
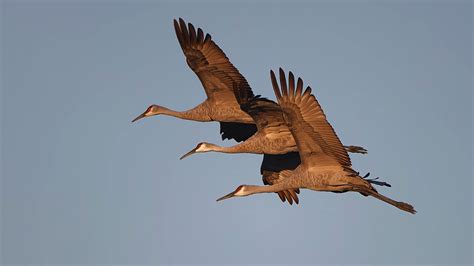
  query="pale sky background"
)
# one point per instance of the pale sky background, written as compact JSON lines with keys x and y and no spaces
{"x":82,"y":185}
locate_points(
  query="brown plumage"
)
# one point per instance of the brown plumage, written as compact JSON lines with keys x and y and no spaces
{"x":217,"y":75}
{"x":273,"y":165}
{"x":325,"y":164}
{"x":273,"y":137}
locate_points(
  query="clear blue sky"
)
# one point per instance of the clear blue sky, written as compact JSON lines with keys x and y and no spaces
{"x":82,"y":185}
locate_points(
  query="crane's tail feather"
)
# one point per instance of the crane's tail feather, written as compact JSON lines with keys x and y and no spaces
{"x":373,"y":180}
{"x":378,"y":183}
{"x":355,"y":149}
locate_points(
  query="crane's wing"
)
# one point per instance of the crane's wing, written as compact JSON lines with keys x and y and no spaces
{"x":208,"y":61}
{"x":266,"y":113}
{"x":272,"y":171}
{"x":317,"y":142}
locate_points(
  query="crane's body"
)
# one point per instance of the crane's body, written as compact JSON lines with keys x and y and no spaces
{"x":325,"y":164}
{"x":272,"y":137}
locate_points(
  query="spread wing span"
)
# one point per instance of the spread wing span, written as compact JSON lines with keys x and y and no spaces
{"x":317,"y":141}
{"x":208,"y":61}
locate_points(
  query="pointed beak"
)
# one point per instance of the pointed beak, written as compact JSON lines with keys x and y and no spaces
{"x":228,"y":196}
{"x":139,"y":117}
{"x":191,"y":152}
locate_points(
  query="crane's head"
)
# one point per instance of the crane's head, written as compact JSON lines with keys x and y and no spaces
{"x":240,"y":191}
{"x":201,"y":147}
{"x":150,"y":111}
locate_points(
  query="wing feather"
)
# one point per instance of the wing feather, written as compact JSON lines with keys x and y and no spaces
{"x":275,"y":168}
{"x":267,"y":115}
{"x":317,"y":141}
{"x":209,"y":62}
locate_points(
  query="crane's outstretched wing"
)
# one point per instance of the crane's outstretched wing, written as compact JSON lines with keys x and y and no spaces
{"x":216,"y":73}
{"x":266,"y":113}
{"x":271,"y":169}
{"x":208,"y":61}
{"x":317,"y":142}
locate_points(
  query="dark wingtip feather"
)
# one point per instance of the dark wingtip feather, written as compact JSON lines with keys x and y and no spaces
{"x":299,"y":88}
{"x":291,"y":84}
{"x":282,"y":197}
{"x":294,"y":196}
{"x":272,"y":74}
{"x":284,"y":90}
{"x":207,"y":38}
{"x":192,"y":33}
{"x":184,"y":31}
{"x":276,"y":89}
{"x":178,"y":33}
{"x":200,"y":35}
{"x":290,"y":199}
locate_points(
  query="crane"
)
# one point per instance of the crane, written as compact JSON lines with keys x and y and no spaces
{"x":325,"y":164}
{"x":217,"y":75}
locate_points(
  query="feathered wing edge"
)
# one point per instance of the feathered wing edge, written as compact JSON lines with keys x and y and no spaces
{"x":208,"y":60}
{"x":273,"y":171}
{"x":307,"y":122}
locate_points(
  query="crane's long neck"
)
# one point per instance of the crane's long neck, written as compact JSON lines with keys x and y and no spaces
{"x":251,"y":189}
{"x":198,"y":113}
{"x":244,"y":147}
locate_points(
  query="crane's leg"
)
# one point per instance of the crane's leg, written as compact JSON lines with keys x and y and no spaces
{"x":401,"y":205}
{"x":364,"y":187}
